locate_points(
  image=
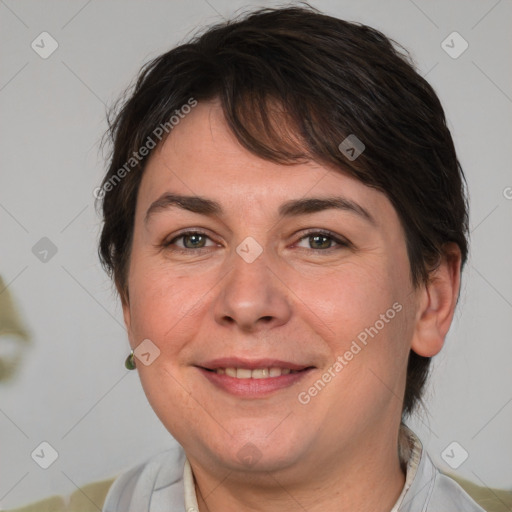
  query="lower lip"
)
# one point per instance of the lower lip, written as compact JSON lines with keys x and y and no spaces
{"x":253,"y":388}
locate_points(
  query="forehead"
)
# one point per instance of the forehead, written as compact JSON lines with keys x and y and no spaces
{"x":202,"y":157}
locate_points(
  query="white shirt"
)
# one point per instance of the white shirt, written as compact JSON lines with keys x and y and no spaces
{"x":165,"y":483}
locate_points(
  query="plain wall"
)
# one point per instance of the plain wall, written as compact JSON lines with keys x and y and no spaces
{"x":73,"y":390}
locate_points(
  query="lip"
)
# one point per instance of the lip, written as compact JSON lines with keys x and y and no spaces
{"x":251,"y":364}
{"x":252,"y":388}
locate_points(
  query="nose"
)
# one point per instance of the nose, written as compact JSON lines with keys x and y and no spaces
{"x":252,"y":295}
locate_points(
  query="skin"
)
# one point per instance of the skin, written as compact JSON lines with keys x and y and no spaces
{"x":339,"y":451}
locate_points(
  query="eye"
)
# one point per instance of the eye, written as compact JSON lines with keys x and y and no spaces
{"x":322,"y":241}
{"x":190,"y":240}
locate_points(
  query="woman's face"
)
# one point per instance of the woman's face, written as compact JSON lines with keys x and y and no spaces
{"x":316,"y":301}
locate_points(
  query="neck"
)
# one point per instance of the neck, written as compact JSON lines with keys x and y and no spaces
{"x":367,"y":477}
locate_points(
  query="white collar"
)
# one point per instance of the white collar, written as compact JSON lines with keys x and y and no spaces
{"x":190,"y":491}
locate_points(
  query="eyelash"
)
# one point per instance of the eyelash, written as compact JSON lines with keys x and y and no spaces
{"x":341,"y":243}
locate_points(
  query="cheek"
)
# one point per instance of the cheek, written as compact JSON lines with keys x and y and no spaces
{"x":367,"y":311}
{"x":159,"y":299}
{"x":170,"y":309}
{"x":356,"y":297}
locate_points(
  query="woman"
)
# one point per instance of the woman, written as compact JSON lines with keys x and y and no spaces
{"x":285,"y":222}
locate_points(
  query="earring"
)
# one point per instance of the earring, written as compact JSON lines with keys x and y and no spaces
{"x":130,"y":362}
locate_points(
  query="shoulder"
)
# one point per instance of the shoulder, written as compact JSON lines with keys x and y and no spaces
{"x":446,"y":492}
{"x":427,"y":488}
{"x":490,"y":499}
{"x":460,"y":494}
{"x":441,"y":492}
{"x":158,"y":479}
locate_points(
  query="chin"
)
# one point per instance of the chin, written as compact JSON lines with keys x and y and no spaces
{"x":258,"y":450}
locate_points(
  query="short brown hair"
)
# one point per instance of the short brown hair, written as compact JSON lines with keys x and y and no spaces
{"x":328,"y":78}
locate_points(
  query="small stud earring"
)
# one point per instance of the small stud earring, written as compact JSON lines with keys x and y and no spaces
{"x":130,"y":362}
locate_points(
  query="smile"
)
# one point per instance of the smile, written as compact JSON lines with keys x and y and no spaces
{"x":256,"y":373}
{"x":253,"y":379}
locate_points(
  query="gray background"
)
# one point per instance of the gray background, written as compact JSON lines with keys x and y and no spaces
{"x":73,"y":390}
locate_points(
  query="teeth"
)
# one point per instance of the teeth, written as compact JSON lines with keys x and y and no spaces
{"x":243,"y":373}
{"x":260,"y":373}
{"x":275,"y":372}
{"x":257,"y":373}
{"x":230,"y":372}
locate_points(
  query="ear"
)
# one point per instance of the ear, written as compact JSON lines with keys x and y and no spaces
{"x":436,"y":304}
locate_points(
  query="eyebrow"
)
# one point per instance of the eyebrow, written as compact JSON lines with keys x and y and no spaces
{"x":292,"y":208}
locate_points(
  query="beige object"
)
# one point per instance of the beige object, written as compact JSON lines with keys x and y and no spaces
{"x":13,"y":335}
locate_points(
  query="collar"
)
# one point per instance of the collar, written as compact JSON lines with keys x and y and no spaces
{"x":410,"y":450}
{"x":190,"y":492}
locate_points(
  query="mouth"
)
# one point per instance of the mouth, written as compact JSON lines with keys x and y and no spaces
{"x":257,"y":373}
{"x":253,"y":379}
